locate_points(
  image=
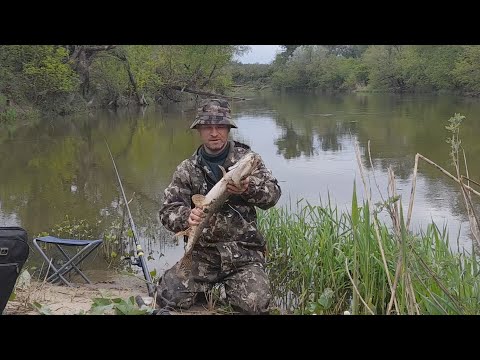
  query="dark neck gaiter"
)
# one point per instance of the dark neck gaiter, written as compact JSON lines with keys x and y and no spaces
{"x":212,"y":161}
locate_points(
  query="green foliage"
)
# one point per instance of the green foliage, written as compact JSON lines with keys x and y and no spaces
{"x":195,"y":66}
{"x":346,"y":51}
{"x":285,"y":55}
{"x":396,"y":68}
{"x":113,"y":243}
{"x":105,"y":306}
{"x":252,"y":76}
{"x":39,"y":75}
{"x":323,"y":304}
{"x":109,"y":78}
{"x":454,"y":140}
{"x":316,"y":255}
{"x":426,"y":67}
{"x":8,"y":116}
{"x":48,"y":71}
{"x":318,"y":67}
{"x":144,"y":66}
{"x":71,"y":228}
{"x":54,"y":78}
{"x":117,"y":306}
{"x":355,"y":210}
{"x":383,"y":64}
{"x":68,"y":78}
{"x":466,"y":71}
{"x":42,"y":309}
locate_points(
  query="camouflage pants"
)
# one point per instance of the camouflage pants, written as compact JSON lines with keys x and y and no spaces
{"x":240,"y":270}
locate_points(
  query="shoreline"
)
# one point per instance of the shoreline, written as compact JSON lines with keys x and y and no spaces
{"x":42,"y":298}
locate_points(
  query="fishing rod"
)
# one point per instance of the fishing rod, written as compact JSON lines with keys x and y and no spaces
{"x":140,"y":261}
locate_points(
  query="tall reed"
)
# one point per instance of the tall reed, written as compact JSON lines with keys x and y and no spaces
{"x":325,"y":262}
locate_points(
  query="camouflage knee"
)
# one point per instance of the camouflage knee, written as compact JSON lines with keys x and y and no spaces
{"x":249,"y":290}
{"x":175,"y":292}
{"x":252,"y":303}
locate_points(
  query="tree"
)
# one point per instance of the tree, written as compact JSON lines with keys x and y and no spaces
{"x":466,"y":71}
{"x":285,"y":54}
{"x":81,"y":58}
{"x":347,"y":51}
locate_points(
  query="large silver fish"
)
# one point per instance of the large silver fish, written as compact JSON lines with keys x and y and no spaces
{"x":214,"y":200}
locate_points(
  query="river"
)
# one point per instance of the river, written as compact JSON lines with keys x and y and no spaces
{"x":60,"y":166}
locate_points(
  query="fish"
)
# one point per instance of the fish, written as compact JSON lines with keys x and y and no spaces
{"x":214,"y":200}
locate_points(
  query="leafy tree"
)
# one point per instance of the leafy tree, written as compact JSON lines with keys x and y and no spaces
{"x":466,"y":71}
{"x":347,"y":51}
{"x":383,"y":64}
{"x":285,"y":54}
{"x":81,"y":58}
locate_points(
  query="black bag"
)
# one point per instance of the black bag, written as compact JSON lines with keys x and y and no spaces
{"x":13,"y":254}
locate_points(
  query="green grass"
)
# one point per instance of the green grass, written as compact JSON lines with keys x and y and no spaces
{"x":316,"y":254}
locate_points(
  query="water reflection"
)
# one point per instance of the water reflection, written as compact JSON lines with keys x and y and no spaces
{"x":61,"y":166}
{"x":318,"y":132}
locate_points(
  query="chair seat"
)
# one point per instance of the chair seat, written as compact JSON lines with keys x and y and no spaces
{"x":87,"y":247}
{"x":72,"y":242}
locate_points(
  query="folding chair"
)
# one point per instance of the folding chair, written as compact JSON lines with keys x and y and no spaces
{"x":87,"y":247}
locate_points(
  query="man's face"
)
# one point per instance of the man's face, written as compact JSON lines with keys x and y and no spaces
{"x":214,"y":137}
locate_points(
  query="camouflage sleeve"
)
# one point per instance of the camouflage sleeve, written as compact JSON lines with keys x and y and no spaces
{"x":176,"y":208}
{"x":263,"y":190}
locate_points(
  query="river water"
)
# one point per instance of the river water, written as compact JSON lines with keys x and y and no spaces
{"x":60,"y":166}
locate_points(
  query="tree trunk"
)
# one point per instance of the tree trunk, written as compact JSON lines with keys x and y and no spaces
{"x":140,"y":99}
{"x":123,"y":58}
{"x":81,"y":57}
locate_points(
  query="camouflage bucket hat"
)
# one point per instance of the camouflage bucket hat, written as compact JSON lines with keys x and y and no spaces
{"x":213,"y":112}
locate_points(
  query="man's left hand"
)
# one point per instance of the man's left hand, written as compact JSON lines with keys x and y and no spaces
{"x":232,"y":189}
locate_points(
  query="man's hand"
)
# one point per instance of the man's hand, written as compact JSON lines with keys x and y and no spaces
{"x":195,"y":217}
{"x":232,"y":189}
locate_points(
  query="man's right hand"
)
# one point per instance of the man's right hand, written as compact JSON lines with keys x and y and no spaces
{"x":195,"y":217}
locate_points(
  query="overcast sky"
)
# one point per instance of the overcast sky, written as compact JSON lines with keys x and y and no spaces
{"x":262,"y":54}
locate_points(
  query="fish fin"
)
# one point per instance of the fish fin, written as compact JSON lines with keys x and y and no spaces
{"x":224,"y":172}
{"x":233,"y":166}
{"x":198,"y":200}
{"x":184,"y":232}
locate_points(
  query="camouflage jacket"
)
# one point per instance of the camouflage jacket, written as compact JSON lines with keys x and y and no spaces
{"x":236,"y":221}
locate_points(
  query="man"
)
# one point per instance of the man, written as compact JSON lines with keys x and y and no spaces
{"x":230,"y":250}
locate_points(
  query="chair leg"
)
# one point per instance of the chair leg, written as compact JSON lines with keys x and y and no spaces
{"x":51,"y":265}
{"x":73,"y":264}
{"x":52,"y":279}
{"x":78,"y":257}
